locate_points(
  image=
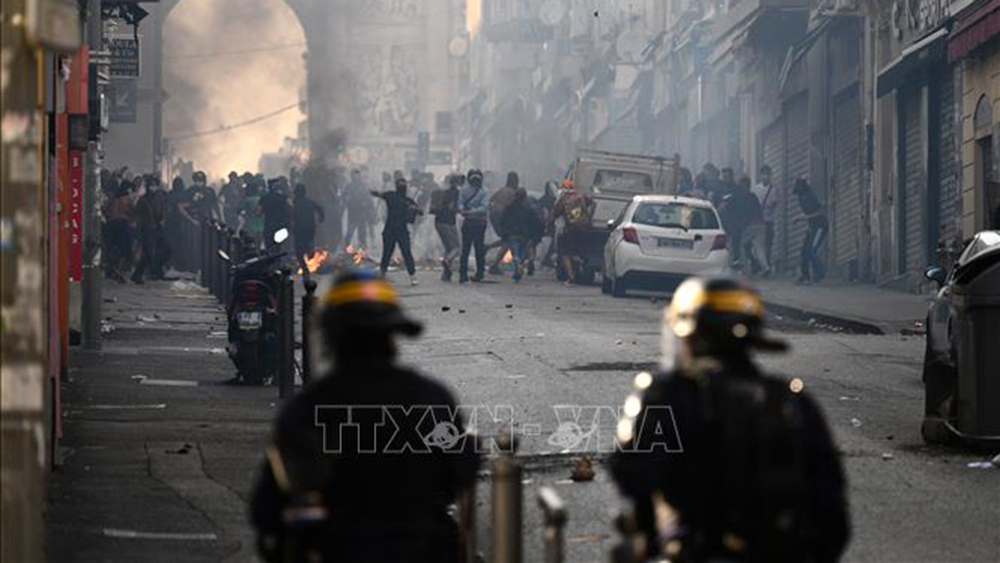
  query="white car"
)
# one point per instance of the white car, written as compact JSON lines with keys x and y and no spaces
{"x":658,"y":240}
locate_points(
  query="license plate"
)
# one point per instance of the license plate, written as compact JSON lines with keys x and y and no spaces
{"x":249,"y":320}
{"x":674,"y":243}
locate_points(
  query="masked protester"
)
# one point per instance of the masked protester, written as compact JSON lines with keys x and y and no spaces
{"x":577,"y":210}
{"x":444,"y":207}
{"x":473,"y":206}
{"x":401,"y":211}
{"x":722,"y":462}
{"x":151,"y":217}
{"x":276,"y":211}
{"x":379,"y":488}
{"x":306,"y":213}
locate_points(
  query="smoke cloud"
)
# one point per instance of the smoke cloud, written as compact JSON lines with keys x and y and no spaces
{"x":227,"y":62}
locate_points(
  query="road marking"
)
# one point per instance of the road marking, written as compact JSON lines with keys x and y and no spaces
{"x":136,"y":535}
{"x":157,"y":406}
{"x":169,"y":382}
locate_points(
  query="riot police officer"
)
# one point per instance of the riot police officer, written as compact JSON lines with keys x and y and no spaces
{"x":721,"y":461}
{"x":366,"y":460}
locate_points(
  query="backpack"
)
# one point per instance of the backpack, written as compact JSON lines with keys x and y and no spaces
{"x":762,"y":437}
{"x":577,"y":211}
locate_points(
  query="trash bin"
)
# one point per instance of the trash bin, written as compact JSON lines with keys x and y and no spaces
{"x":977,"y":304}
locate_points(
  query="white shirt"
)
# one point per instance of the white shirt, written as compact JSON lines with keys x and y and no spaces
{"x":761,"y":191}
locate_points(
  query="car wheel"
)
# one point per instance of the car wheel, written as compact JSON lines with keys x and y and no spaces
{"x":618,"y":287}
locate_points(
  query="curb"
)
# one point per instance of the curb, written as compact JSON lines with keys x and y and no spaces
{"x":848,"y":325}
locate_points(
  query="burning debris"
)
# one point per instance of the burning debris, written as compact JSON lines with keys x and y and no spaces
{"x":325,"y":262}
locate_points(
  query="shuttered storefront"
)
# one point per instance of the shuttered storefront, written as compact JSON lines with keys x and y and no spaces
{"x":847,"y":212}
{"x":796,"y":166}
{"x":772,"y":142}
{"x":910,"y":206}
{"x":949,"y":198}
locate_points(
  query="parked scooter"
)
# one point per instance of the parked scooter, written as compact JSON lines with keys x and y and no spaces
{"x":253,"y":314}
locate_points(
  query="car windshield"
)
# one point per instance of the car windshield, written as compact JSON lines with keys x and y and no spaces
{"x":675,"y":214}
{"x":622,"y":181}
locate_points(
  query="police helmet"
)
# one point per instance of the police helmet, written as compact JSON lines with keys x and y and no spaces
{"x":361,"y":300}
{"x":718,"y":315}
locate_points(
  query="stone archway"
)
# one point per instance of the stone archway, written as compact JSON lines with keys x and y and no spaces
{"x":235,"y":75}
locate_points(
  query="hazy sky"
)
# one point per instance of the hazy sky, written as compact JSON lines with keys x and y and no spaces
{"x":210,"y":87}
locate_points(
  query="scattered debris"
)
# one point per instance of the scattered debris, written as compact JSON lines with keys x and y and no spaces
{"x":181,"y":285}
{"x":186,"y":448}
{"x":887,"y":456}
{"x":508,"y":306}
{"x":145,"y":318}
{"x":110,"y":299}
{"x":980,"y":465}
{"x":107,"y":327}
{"x":461,"y":311}
{"x":618,"y":342}
{"x":583,"y":470}
{"x":856,"y":422}
{"x":139,"y":377}
{"x":890,"y":437}
{"x":846,"y":398}
{"x":445,"y":309}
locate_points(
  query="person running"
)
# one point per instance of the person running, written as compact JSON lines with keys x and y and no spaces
{"x":577,"y":210}
{"x":473,"y":205}
{"x":520,"y":222}
{"x":445,"y":211}
{"x":811,"y":267}
{"x":499,"y":201}
{"x":305,"y":214}
{"x":274,"y":205}
{"x":401,"y":211}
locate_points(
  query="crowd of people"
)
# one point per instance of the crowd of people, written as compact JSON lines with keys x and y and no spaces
{"x":748,"y":211}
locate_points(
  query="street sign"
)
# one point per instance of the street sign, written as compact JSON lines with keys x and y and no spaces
{"x":124,"y":56}
{"x":122,"y":101}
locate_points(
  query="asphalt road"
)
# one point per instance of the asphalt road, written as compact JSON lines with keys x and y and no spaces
{"x":140,"y":481}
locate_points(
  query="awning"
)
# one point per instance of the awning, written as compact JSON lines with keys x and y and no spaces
{"x":928,"y":50}
{"x":800,"y":49}
{"x":972,"y":30}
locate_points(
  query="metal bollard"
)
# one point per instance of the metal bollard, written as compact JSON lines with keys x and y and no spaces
{"x":554,"y":516}
{"x":203,"y":252}
{"x":631,"y":547}
{"x":286,"y":334}
{"x":308,"y":300}
{"x":466,"y":504}
{"x":506,"y":503}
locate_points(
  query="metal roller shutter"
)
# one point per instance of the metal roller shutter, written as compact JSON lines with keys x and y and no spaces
{"x":949,"y":199}
{"x":911,"y":201}
{"x":796,"y":166}
{"x":773,"y":154}
{"x":847,"y":200}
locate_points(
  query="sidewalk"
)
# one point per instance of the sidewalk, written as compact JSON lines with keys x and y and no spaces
{"x":158,"y":455}
{"x":864,"y":307}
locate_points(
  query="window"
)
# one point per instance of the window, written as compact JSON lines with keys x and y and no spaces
{"x":622,"y":181}
{"x":678,"y":215}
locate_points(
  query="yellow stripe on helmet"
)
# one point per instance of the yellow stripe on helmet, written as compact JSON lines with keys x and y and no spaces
{"x":734,"y":301}
{"x":369,"y":291}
